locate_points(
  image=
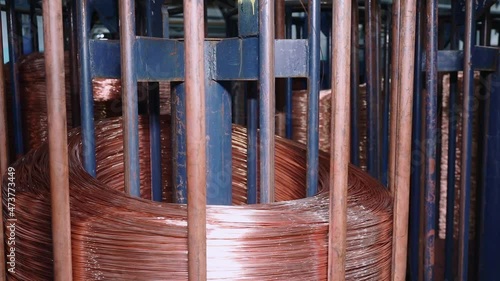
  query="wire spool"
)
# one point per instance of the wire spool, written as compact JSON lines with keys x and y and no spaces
{"x":445,"y":123}
{"x":299,"y":120}
{"x":116,"y":237}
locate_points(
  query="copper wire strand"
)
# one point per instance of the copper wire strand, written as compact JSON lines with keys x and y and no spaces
{"x":299,"y":121}
{"x":116,"y":237}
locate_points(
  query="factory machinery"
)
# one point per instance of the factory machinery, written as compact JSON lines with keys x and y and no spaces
{"x":250,"y":140}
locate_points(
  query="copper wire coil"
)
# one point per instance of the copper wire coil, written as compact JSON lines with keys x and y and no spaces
{"x":106,"y":93}
{"x":115,"y":237}
{"x":445,"y":123}
{"x":299,"y":120}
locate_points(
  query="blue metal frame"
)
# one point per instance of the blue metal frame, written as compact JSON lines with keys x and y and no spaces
{"x":252,"y":124}
{"x":354,"y":83}
{"x":288,"y":83}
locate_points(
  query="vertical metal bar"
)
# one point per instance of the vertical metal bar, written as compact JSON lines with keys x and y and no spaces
{"x":129,"y":98}
{"x":485,"y":87}
{"x":484,"y":195}
{"x":288,"y":85}
{"x":58,"y":146}
{"x":75,"y":95}
{"x":401,"y":117}
{"x":431,"y":161}
{"x":4,"y":147}
{"x":86,"y":95}
{"x":252,"y":124}
{"x":466,"y":167}
{"x":179,"y":174}
{"x":280,"y":30}
{"x":452,"y":144}
{"x":34,"y":25}
{"x":267,"y":100}
{"x":415,"y":191}
{"x":339,"y":149}
{"x":395,"y":67}
{"x":194,"y":31}
{"x":386,"y":98}
{"x":372,"y":90}
{"x":354,"y":84}
{"x":153,"y":29}
{"x":313,"y":98}
{"x":14,"y":78}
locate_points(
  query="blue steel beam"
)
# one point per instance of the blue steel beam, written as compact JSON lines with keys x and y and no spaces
{"x":430,"y":167}
{"x":266,"y":66}
{"x":466,"y":167}
{"x":129,"y":98}
{"x":248,"y":18}
{"x":313,"y":98}
{"x":179,"y":173}
{"x":485,"y":59}
{"x":86,"y":96}
{"x":14,"y":77}
{"x":386,"y":98}
{"x":238,"y":59}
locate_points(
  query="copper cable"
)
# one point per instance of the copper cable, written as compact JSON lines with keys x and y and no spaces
{"x":117,"y":237}
{"x":445,"y":123}
{"x":299,"y":120}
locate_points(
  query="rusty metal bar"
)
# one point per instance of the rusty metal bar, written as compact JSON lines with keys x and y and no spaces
{"x":129,"y":98}
{"x":402,"y":113}
{"x":466,"y":167}
{"x":267,"y":100}
{"x":58,"y":143}
{"x":196,"y":138}
{"x":430,"y":164}
{"x":339,"y":149}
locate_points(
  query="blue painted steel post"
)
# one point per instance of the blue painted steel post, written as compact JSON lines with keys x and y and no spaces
{"x":452,"y":144}
{"x":431,"y":163}
{"x":466,"y":167}
{"x":153,"y":17}
{"x":129,"y":98}
{"x":14,"y":78}
{"x":415,"y":202}
{"x":372,"y":89}
{"x":266,"y":100}
{"x":74,"y":71}
{"x":354,"y":83}
{"x":490,"y":228}
{"x":313,"y":98}
{"x":179,"y":173}
{"x":86,"y":93}
{"x":289,"y":85}
{"x":248,"y":26}
{"x":219,"y":131}
{"x":252,"y":124}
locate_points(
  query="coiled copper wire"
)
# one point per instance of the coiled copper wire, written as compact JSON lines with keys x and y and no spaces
{"x":445,"y":123}
{"x":116,"y":237}
{"x":299,"y":120}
